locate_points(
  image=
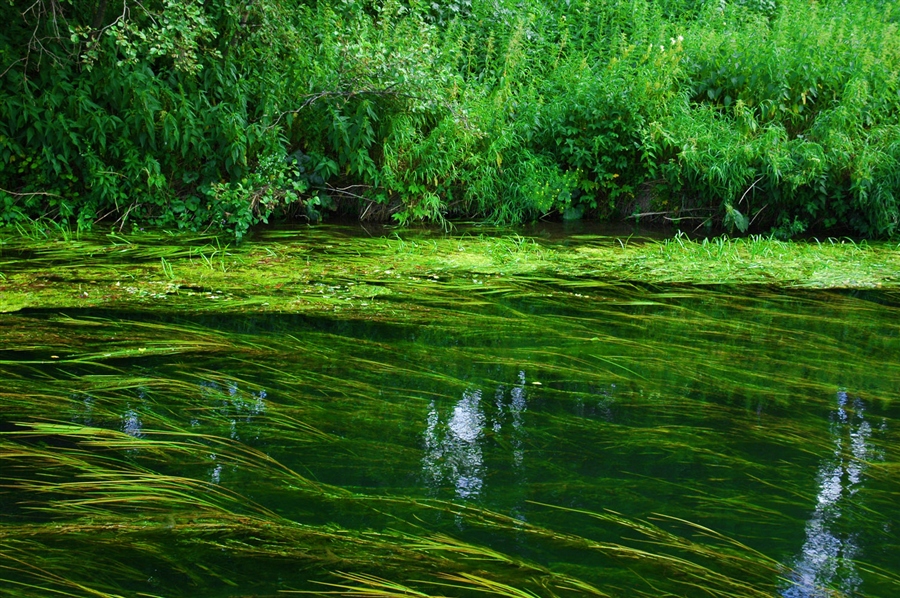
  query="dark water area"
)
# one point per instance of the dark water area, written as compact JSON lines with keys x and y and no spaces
{"x":620,"y":440}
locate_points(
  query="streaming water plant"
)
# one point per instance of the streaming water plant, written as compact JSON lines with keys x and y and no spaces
{"x":329,"y":412}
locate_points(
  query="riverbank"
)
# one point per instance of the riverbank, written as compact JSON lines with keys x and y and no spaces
{"x":338,"y":268}
{"x":750,"y":116}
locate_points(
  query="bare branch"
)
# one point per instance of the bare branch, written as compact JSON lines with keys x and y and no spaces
{"x":755,"y":216}
{"x":344,"y":191}
{"x":312,"y":98}
{"x":750,"y":188}
{"x":28,"y":194}
{"x":10,"y":66}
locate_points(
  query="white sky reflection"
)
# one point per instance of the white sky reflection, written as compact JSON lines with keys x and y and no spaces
{"x":826,"y":561}
{"x":454,"y":455}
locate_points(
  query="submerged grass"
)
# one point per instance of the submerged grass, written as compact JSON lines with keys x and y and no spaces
{"x":337,"y":269}
{"x":446,"y":417}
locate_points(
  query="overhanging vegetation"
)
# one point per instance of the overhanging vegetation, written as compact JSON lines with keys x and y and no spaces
{"x":752,"y":115}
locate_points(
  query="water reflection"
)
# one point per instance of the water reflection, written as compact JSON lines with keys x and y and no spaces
{"x":454,"y":452}
{"x":237,"y":407}
{"x":221,"y":404}
{"x":132,"y":424}
{"x":601,"y":404}
{"x":84,"y":411}
{"x":827,"y":559}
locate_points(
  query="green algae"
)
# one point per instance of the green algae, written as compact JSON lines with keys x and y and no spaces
{"x":338,"y":268}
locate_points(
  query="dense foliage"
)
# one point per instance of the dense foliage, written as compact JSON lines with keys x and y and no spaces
{"x":190,"y":114}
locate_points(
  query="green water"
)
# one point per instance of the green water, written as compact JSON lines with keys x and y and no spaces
{"x":543,"y":436}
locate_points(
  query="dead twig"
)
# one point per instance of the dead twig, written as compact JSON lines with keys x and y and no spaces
{"x":29,"y":194}
{"x":755,"y":216}
{"x":315,"y":97}
{"x":750,"y":188}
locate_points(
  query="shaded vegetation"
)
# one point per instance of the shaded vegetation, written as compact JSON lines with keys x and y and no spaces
{"x":750,"y":115}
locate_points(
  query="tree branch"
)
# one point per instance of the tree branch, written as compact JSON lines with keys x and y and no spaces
{"x":28,"y":194}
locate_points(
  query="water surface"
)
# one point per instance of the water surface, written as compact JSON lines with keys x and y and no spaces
{"x":536,"y":435}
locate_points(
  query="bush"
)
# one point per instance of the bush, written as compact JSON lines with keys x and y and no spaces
{"x":188,"y":115}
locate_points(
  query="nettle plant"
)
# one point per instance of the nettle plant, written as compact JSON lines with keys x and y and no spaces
{"x":224,"y":114}
{"x":178,"y":114}
{"x":793,"y":116}
{"x":132,"y":112}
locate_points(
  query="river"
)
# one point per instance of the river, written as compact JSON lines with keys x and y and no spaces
{"x":452,"y":433}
